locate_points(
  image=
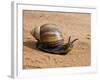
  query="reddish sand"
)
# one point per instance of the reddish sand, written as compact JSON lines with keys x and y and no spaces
{"x":75,"y":24}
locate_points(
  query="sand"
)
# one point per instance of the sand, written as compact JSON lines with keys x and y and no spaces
{"x":76,"y":25}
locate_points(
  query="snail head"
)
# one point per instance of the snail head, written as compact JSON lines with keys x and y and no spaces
{"x":70,"y":45}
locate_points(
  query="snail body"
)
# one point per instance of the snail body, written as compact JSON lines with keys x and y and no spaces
{"x":50,"y":39}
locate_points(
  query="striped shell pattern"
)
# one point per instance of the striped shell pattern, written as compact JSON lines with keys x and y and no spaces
{"x":48,"y":34}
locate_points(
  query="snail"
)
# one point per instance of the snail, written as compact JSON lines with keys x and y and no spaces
{"x":50,"y":39}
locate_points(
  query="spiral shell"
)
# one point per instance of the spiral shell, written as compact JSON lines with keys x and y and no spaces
{"x":49,"y":35}
{"x":36,"y":33}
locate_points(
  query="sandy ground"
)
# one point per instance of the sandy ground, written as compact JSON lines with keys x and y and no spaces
{"x":75,"y":24}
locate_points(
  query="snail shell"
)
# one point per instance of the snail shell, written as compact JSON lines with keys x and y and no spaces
{"x":48,"y":34}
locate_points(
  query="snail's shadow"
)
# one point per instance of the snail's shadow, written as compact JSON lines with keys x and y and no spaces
{"x":30,"y":44}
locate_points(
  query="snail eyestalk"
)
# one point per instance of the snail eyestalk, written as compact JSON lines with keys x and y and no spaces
{"x":74,"y":41}
{"x":69,"y":39}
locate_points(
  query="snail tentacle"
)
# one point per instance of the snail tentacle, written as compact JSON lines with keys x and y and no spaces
{"x":69,"y":39}
{"x":74,"y":41}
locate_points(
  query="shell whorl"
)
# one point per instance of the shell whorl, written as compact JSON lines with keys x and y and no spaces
{"x":36,"y":33}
